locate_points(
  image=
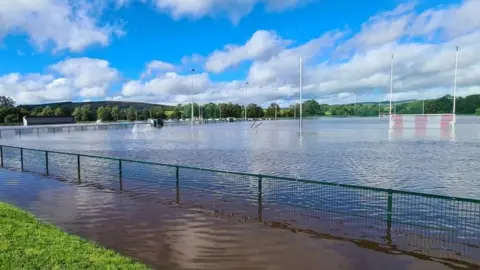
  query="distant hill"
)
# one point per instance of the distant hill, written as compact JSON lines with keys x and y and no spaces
{"x":386,"y":102}
{"x":96,"y":104}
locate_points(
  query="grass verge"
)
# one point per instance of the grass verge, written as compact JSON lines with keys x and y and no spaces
{"x":26,"y":243}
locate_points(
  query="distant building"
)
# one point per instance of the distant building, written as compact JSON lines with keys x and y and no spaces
{"x":47,"y":120}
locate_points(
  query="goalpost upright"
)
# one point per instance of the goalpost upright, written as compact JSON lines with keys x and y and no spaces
{"x":416,"y":120}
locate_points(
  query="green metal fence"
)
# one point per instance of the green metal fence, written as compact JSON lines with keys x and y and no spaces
{"x":392,"y":214}
{"x":37,"y":130}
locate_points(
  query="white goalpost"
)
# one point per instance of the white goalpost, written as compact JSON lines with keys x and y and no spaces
{"x":423,"y":121}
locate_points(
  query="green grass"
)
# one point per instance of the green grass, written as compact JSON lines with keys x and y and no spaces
{"x":26,"y":243}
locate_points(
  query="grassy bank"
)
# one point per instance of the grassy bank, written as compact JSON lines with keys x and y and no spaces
{"x":26,"y":243}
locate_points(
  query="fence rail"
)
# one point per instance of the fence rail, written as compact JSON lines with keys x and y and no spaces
{"x":53,"y":129}
{"x":394,"y":214}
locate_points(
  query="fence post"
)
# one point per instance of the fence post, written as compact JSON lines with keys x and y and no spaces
{"x":0,"y":134}
{"x":46,"y":163}
{"x":177,"y":185}
{"x":21,"y":159}
{"x":120,"y":174}
{"x":78,"y":169}
{"x":260,"y":198}
{"x":1,"y":156}
{"x":389,"y":211}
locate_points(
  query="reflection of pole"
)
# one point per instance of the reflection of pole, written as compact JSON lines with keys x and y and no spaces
{"x":301,"y":93}
{"x":391,"y":86}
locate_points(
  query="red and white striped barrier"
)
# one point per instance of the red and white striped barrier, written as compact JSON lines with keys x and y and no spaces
{"x":422,"y":126}
{"x":421,"y":121}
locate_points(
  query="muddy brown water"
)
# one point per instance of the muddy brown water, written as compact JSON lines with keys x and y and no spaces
{"x":169,"y":236}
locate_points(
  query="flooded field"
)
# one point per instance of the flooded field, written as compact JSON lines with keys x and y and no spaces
{"x":177,"y":237}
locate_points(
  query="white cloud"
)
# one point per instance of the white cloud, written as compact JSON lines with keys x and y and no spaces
{"x":157,"y":66}
{"x":424,"y":65}
{"x":77,"y":77}
{"x":55,"y":22}
{"x":93,"y":77}
{"x":261,"y":46}
{"x":234,"y":9}
{"x":167,"y":84}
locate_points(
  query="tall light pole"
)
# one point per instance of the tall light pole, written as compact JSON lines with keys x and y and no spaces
{"x":455,"y":88}
{"x":245,"y":102}
{"x":301,"y":95}
{"x":391,"y":86}
{"x":191,"y":120}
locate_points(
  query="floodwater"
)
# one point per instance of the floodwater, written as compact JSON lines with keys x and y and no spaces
{"x":176,"y":237}
{"x":360,"y":151}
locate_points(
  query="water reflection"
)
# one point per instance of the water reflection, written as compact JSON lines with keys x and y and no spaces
{"x":172,"y":237}
{"x":348,"y":150}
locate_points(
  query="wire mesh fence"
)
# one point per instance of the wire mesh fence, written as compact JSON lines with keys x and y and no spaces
{"x":39,"y":130}
{"x":390,"y":215}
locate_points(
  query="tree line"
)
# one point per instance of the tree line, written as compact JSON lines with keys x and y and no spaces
{"x":9,"y":113}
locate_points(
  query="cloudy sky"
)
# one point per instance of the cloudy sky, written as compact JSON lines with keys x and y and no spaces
{"x":145,"y":50}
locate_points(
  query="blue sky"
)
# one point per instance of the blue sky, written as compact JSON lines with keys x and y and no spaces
{"x":143,"y":50}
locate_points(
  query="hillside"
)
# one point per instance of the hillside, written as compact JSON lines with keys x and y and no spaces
{"x":96,"y":104}
{"x":386,"y":102}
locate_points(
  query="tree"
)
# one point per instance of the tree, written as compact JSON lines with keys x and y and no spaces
{"x":37,"y":111}
{"x":108,"y":112}
{"x":271,"y":110}
{"x":11,"y":118}
{"x":477,"y":111}
{"x":59,"y":112}
{"x":101,"y":113}
{"x":7,"y":102}
{"x":311,"y":107}
{"x":131,"y":114}
{"x":48,"y":111}
{"x":86,"y":112}
{"x":115,"y":113}
{"x":77,"y":114}
{"x":157,"y":112}
{"x":145,"y":114}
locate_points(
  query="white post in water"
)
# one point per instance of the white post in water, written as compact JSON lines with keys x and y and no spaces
{"x":301,"y":95}
{"x":455,"y":88}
